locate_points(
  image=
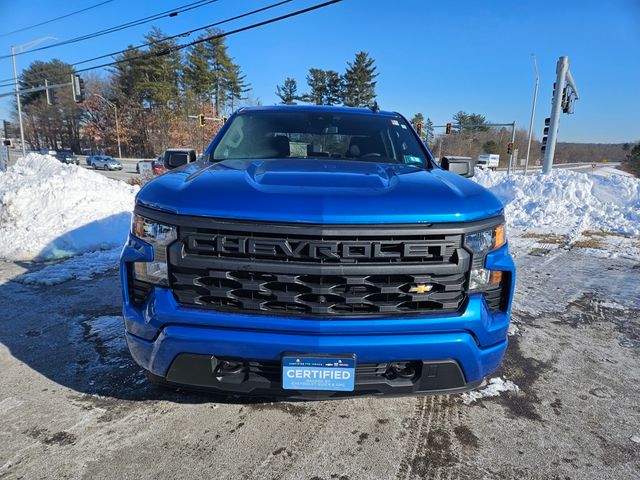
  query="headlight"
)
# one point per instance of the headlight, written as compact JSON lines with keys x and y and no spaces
{"x":485,"y":241}
{"x":481,"y":243}
{"x":159,"y":236}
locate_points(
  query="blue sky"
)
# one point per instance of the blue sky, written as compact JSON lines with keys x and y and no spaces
{"x":435,"y":57}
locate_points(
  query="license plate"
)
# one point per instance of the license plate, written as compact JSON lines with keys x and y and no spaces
{"x":318,"y":373}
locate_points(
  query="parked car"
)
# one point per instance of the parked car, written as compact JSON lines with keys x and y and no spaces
{"x":318,"y":252}
{"x":68,"y":157}
{"x":106,"y":163}
{"x":177,"y":157}
{"x":47,"y":151}
{"x":91,"y":158}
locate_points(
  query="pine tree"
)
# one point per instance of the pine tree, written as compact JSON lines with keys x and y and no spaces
{"x":159,"y":69}
{"x":197,"y":76}
{"x":220,"y":65}
{"x":470,"y":122}
{"x":236,"y":86}
{"x":359,"y":81}
{"x":429,"y":133}
{"x":317,"y":81}
{"x":288,"y":91}
{"x":334,"y":88}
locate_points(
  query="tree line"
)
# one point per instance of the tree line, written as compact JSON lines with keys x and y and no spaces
{"x":356,"y":87}
{"x":157,"y":93}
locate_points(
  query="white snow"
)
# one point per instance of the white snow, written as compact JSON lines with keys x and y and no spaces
{"x":566,"y":202}
{"x":495,"y":387}
{"x":514,"y":330}
{"x":51,"y":210}
{"x":81,"y":267}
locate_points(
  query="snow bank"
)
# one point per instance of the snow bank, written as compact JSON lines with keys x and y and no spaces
{"x":496,"y":386}
{"x":566,"y":202}
{"x":52,"y":210}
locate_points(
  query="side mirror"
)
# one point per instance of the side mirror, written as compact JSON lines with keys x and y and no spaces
{"x":462,"y":167}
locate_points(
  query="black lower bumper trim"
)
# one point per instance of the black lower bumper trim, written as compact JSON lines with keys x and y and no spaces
{"x":264,"y":379}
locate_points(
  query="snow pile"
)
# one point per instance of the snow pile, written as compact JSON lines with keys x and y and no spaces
{"x":566,"y":202}
{"x":52,"y":210}
{"x":82,"y":267}
{"x":496,"y":386}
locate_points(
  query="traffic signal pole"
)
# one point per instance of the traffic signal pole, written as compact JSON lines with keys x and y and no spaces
{"x":561,"y":72}
{"x":562,"y":102}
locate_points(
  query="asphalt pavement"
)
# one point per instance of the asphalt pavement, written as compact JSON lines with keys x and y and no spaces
{"x":74,"y":405}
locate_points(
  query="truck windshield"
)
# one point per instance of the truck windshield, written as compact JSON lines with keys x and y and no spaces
{"x":317,"y":135}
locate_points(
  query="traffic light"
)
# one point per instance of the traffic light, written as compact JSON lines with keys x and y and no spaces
{"x":547,"y":122}
{"x":419,"y":129}
{"x":77,"y":83}
{"x":447,"y":128}
{"x":509,"y":148}
{"x":201,"y":120}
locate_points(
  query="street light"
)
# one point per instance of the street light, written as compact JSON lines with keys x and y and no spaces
{"x":115,"y":108}
{"x":20,"y":49}
{"x":533,"y":111}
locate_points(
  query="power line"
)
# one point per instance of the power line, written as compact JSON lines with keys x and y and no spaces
{"x":185,"y":34}
{"x":134,"y":23}
{"x":212,"y":37}
{"x":182,"y":34}
{"x":170,"y":50}
{"x":54,"y":19}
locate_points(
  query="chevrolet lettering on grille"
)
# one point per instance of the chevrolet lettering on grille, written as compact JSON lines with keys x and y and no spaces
{"x":301,"y":249}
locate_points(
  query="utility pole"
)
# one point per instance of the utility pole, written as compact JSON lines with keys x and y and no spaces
{"x":15,"y":79}
{"x":115,"y":108}
{"x":513,"y":139}
{"x":533,"y":111}
{"x":14,"y":50}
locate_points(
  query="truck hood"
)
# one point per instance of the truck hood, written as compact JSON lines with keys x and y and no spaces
{"x":319,"y":192}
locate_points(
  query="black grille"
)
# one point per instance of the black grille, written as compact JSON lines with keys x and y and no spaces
{"x":332,"y":271}
{"x":317,"y":294}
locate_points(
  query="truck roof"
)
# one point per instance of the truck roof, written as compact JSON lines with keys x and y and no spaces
{"x":319,"y":108}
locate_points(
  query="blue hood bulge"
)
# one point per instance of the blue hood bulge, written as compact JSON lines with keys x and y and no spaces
{"x":319,"y":192}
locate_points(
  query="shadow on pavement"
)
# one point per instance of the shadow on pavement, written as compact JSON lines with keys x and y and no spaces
{"x":73,"y":332}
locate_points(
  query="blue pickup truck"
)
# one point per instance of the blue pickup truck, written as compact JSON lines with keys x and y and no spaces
{"x":317,"y":252}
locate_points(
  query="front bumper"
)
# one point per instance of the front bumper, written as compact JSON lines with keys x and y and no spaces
{"x":181,"y":346}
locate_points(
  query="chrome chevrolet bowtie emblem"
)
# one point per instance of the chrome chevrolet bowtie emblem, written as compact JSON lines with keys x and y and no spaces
{"x":421,"y":288}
